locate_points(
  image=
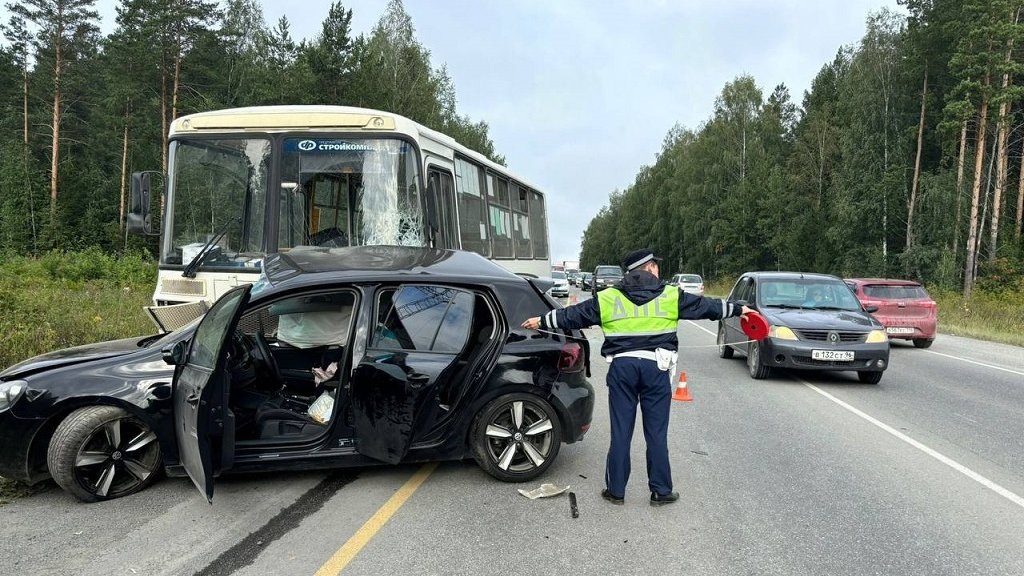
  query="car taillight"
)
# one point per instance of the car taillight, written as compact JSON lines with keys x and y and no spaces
{"x":928,"y":304}
{"x":570,"y":358}
{"x":875,"y":303}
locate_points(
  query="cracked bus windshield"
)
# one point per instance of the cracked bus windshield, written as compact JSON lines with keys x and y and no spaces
{"x":333,"y":192}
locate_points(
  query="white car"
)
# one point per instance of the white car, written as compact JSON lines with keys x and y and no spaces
{"x":691,"y":283}
{"x":561,"y":287}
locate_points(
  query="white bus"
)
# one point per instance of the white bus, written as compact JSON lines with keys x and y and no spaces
{"x":245,"y":182}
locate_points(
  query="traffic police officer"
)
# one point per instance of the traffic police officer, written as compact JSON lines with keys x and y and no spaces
{"x":639,"y":318}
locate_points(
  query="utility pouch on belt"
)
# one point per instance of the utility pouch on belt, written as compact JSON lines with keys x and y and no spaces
{"x":666,"y":360}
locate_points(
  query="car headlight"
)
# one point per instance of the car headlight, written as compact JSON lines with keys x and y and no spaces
{"x":10,"y":392}
{"x":782,"y":333}
{"x":876,"y":336}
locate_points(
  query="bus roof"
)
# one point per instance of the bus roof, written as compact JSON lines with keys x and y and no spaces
{"x":322,"y":118}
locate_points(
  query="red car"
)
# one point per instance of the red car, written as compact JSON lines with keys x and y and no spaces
{"x":903,"y":307}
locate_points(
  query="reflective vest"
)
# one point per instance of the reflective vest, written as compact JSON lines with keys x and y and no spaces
{"x":620,"y":317}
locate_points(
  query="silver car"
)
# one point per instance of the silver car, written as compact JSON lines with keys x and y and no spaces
{"x":691,"y":283}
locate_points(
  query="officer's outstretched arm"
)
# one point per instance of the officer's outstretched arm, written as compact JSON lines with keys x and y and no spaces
{"x":582,"y":315}
{"x":693,"y":307}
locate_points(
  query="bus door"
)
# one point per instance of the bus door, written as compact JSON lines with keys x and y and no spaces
{"x":332,"y":222}
{"x":440,"y":198}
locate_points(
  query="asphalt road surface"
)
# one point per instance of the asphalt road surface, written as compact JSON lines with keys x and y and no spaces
{"x":802,"y":473}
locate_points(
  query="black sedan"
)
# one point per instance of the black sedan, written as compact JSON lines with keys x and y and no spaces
{"x":816,"y":323}
{"x":336,"y":357}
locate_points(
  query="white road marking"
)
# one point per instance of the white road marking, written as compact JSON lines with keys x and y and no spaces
{"x":703,"y":328}
{"x":1019,"y":501}
{"x":1012,"y":497}
{"x":976,"y":362}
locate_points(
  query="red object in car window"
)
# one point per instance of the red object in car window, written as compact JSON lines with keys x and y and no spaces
{"x":903,"y":307}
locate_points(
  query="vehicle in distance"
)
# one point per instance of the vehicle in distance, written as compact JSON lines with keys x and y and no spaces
{"x":586,"y":280}
{"x":605,"y":276}
{"x":560,"y":289}
{"x":691,"y":283}
{"x":335,"y":357}
{"x":816,"y":323}
{"x":904,"y":307}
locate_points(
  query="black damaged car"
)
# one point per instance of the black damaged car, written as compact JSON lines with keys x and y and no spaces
{"x":336,"y":357}
{"x":815,"y":323}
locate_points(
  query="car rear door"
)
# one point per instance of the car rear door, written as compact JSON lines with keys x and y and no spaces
{"x":419,"y":333}
{"x":204,"y":425}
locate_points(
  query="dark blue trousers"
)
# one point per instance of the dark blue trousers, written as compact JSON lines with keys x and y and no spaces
{"x":633,"y":381}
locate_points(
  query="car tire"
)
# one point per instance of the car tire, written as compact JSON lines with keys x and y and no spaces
{"x":494,"y":437}
{"x":757,"y":369}
{"x":869,"y":377}
{"x":724,"y":350}
{"x":103,"y":452}
{"x":923,"y":342}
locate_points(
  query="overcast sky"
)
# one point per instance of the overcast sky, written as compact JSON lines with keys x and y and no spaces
{"x":579,"y":94}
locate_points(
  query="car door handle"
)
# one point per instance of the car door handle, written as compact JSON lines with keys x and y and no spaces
{"x":193,"y":398}
{"x":416,"y":379}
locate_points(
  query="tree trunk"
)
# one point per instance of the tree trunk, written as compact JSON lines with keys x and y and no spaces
{"x":124,"y":169}
{"x":972,"y":227}
{"x":177,"y":73}
{"x":55,"y":143}
{"x":917,"y":166}
{"x":24,"y":100}
{"x":1001,"y":166}
{"x":1020,"y":201}
{"x":960,"y":183}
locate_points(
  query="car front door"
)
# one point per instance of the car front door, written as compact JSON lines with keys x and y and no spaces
{"x":743,"y":291}
{"x":419,"y":335}
{"x":204,"y":425}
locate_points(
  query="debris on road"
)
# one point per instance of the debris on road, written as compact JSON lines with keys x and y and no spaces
{"x":545,"y":491}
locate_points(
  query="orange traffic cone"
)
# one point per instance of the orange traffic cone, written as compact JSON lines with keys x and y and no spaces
{"x":682,"y":392}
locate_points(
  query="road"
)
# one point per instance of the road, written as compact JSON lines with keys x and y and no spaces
{"x":803,"y":473}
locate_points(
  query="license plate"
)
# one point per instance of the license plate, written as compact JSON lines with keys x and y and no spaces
{"x":833,"y":355}
{"x":899,"y":329}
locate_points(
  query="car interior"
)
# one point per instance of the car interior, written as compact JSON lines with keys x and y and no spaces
{"x":285,"y":357}
{"x":288,"y":357}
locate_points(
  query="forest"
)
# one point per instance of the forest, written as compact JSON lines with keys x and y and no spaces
{"x":79,"y":111}
{"x":905,"y":158}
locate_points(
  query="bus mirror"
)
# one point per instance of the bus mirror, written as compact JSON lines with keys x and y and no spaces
{"x":139,"y":218}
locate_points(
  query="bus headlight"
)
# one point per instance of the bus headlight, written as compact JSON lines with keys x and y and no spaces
{"x":10,"y":392}
{"x":877,"y":336}
{"x":782,"y":333}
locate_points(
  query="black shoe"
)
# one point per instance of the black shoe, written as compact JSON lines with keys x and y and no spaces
{"x":614,"y":499}
{"x":662,"y":499}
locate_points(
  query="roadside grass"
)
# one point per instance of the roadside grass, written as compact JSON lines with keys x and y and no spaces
{"x":68,"y":299}
{"x":996,"y":316}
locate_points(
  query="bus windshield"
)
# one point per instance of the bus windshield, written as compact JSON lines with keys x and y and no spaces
{"x":216,"y":186}
{"x":333,"y":192}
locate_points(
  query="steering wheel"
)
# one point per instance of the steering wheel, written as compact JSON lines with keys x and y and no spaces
{"x":266,"y":362}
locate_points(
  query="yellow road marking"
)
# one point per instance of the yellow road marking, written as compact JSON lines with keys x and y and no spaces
{"x":367,"y":531}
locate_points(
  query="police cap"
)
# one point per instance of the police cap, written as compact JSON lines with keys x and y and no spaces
{"x":638,"y":258}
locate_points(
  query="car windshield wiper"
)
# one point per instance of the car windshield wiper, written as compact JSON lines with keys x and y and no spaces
{"x":191,"y":267}
{"x":786,"y":306}
{"x":833,"y":308}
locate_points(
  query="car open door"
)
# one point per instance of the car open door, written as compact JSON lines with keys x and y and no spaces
{"x":204,"y":425}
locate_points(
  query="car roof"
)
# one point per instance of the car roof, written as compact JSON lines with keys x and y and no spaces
{"x":773,"y":275}
{"x":314,"y":265}
{"x":889,"y":281}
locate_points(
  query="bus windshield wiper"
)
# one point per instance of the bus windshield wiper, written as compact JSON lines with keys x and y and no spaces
{"x":191,"y":267}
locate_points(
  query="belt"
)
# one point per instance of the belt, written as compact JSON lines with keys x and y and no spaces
{"x":644,"y":354}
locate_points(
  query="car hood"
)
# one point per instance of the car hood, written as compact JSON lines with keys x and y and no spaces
{"x":820,"y":319}
{"x":69,"y":356}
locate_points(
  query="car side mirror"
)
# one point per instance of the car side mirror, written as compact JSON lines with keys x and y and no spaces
{"x":871,"y":309}
{"x":176,"y":355}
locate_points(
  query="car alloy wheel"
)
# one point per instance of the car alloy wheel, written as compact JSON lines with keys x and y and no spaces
{"x":724,"y":350}
{"x":103,"y":452}
{"x":516,"y":437}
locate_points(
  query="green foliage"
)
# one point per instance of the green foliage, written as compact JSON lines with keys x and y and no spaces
{"x":67,"y":299}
